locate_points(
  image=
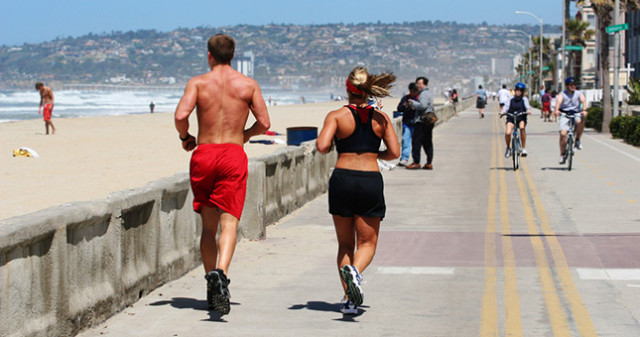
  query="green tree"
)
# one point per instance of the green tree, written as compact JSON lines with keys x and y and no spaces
{"x":578,"y":34}
{"x":604,"y":10}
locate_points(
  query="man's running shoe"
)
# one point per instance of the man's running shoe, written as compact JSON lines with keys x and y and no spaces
{"x":523,"y":152}
{"x":578,"y":144}
{"x":353,"y":279}
{"x":348,"y":308}
{"x":507,"y":152}
{"x":563,"y":159}
{"x":218,"y":291}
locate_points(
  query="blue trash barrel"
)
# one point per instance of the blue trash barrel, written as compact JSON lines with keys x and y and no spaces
{"x":297,"y":135}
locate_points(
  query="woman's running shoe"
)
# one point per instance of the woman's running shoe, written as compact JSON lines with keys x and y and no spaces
{"x":353,"y":279}
{"x":348,"y":308}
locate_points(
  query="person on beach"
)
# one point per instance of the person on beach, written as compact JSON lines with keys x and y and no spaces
{"x":152,"y":106}
{"x":423,"y":130}
{"x":356,"y":196}
{"x":218,"y":168}
{"x":46,"y":106}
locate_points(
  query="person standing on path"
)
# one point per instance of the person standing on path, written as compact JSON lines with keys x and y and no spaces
{"x":356,"y":188}
{"x":408,"y":122}
{"x":46,"y":106}
{"x":218,"y":170}
{"x":423,"y":131}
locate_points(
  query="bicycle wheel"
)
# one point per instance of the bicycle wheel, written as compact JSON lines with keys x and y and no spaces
{"x":569,"y":151}
{"x":515,"y":151}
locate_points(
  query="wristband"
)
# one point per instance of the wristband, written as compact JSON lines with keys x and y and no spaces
{"x":185,"y":138}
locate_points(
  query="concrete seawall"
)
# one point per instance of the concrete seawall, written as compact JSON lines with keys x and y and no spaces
{"x":69,"y":267}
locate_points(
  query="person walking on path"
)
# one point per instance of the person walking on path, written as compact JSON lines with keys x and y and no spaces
{"x":503,"y":97}
{"x":408,"y":122}
{"x":218,"y":169}
{"x":423,"y":130}
{"x":46,"y":106}
{"x":356,"y":188}
{"x":481,"y":100}
{"x":546,"y":106}
{"x":570,"y":102}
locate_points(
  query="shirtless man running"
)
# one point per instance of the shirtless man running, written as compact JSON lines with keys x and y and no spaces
{"x":218,"y":169}
{"x":46,"y":106}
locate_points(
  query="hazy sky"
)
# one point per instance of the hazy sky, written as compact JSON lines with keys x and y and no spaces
{"x":34,"y":21}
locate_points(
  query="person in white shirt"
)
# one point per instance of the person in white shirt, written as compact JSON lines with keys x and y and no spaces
{"x":503,"y":96}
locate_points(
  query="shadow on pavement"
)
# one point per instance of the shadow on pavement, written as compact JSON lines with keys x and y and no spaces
{"x":554,"y":168}
{"x":329,"y":307}
{"x":192,"y":303}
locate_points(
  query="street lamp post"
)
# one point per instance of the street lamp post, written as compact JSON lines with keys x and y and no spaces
{"x":541,"y":41}
{"x":528,"y":73}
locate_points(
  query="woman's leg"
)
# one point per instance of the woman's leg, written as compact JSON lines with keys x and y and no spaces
{"x":346,"y":235}
{"x":367,"y":230}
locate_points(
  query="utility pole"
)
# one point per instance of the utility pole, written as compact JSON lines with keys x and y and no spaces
{"x":563,"y":48}
{"x":616,"y":61}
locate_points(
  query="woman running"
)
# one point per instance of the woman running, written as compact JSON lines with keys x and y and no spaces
{"x":356,"y":198}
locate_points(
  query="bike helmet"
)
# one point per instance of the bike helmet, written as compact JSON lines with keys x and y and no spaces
{"x":521,"y":86}
{"x":569,"y":80}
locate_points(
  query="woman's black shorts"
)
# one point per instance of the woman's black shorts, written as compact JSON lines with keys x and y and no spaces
{"x":356,"y":193}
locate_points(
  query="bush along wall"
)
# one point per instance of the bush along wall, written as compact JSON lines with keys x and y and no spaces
{"x":594,"y":118}
{"x":626,"y":128}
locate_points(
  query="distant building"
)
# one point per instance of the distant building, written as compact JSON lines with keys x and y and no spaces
{"x":244,"y":63}
{"x":633,"y":43}
{"x":586,"y":65}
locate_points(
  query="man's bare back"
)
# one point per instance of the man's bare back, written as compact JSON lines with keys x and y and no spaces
{"x":223,"y":98}
{"x":218,"y":168}
{"x":46,"y":95}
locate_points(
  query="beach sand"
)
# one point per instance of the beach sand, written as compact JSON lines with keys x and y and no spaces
{"x":88,"y":158}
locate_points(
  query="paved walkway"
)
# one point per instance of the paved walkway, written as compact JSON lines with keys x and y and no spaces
{"x":471,"y":248}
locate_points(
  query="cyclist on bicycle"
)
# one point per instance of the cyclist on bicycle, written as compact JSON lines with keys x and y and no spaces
{"x":572,"y":103}
{"x":517,"y":104}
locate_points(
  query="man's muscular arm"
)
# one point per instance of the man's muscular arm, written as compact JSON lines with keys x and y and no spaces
{"x":259,"y":111}
{"x":183,"y":111}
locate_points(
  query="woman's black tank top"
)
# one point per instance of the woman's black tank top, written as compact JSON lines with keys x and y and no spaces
{"x":363,"y":139}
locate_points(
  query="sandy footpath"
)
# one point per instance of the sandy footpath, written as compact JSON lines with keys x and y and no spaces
{"x":89,"y":158}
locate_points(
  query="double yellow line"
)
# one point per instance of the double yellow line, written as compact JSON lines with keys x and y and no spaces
{"x":556,"y":282}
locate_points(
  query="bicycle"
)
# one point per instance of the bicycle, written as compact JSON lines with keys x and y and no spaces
{"x":569,"y":151}
{"x":516,"y":143}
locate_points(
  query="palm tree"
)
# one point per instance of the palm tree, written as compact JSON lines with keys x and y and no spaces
{"x":604,"y":10}
{"x":547,"y":53}
{"x":578,"y":33}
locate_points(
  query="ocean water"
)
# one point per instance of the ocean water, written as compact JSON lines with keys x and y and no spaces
{"x":23,"y":105}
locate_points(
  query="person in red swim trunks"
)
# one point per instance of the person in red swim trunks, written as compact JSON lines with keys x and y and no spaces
{"x":223,"y":99}
{"x":46,"y":105}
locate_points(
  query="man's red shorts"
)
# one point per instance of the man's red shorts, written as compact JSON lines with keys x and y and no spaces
{"x":46,"y":111}
{"x":546,"y":106}
{"x":219,"y":177}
